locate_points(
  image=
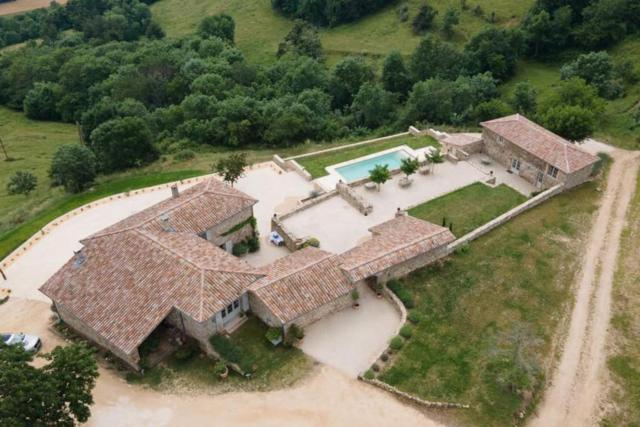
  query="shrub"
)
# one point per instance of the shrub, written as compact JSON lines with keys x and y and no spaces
{"x":296,"y":331}
{"x":403,"y":12}
{"x":396,"y":343}
{"x":406,"y":331}
{"x":355,"y":295}
{"x":185,"y":352}
{"x":401,"y":292}
{"x":273,"y":334}
{"x":312,"y":241}
{"x":230,"y":352}
{"x":384,"y":357}
{"x":73,"y":166}
{"x":369,"y":375}
{"x":253,"y":243}
{"x":184,"y":155}
{"x":240,"y":249}
{"x":220,"y":368}
{"x":603,"y":160}
{"x":22,"y":182}
{"x":375,"y":367}
{"x":414,"y":317}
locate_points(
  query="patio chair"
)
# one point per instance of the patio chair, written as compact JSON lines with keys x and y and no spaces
{"x":405,"y":182}
{"x":370,"y":186}
{"x":424,"y":170}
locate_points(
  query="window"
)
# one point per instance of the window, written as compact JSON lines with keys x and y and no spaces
{"x":236,"y":304}
{"x":515,"y":164}
{"x":229,"y":308}
{"x":552,"y":171}
{"x":224,"y":313}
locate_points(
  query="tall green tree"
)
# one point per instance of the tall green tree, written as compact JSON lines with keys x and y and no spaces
{"x":524,"y":98}
{"x":436,"y":58}
{"x":303,"y":39}
{"x":73,"y":166}
{"x":395,"y":76}
{"x":348,"y":76}
{"x":56,"y":394}
{"x":495,"y":50}
{"x":372,"y":106}
{"x":41,"y":101}
{"x":424,"y":19}
{"x":123,"y":143}
{"x":221,"y":26}
{"x":379,"y":175}
{"x":450,"y":19}
{"x":232,"y":167}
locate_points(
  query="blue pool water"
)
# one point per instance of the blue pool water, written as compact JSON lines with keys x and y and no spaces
{"x":359,"y":170}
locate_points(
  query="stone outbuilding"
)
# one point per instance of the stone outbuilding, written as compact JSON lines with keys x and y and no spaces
{"x":535,"y":153}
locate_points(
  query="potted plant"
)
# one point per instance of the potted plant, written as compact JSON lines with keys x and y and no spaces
{"x":379,"y":288}
{"x":221,"y":370}
{"x":297,"y":332}
{"x":355,"y":296}
{"x":274,"y":335}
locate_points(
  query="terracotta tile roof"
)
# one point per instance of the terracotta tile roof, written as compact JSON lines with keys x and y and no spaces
{"x":541,"y":142}
{"x":196,"y":209}
{"x":462,"y":139}
{"x":127,"y":278}
{"x":300,"y":282}
{"x":393,"y":242}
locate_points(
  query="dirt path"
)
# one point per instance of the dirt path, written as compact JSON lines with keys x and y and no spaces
{"x":572,"y":397}
{"x":18,"y":6}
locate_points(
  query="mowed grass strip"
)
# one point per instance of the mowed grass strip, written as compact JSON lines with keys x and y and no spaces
{"x":624,"y":361}
{"x":489,"y":314}
{"x":316,"y":165}
{"x":469,"y":207}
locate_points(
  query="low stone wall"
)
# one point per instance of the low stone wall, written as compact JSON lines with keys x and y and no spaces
{"x":342,"y":147}
{"x":291,"y":241}
{"x":411,"y":398}
{"x":354,"y":199}
{"x":484,"y":229}
{"x":279,"y":161}
{"x":308,"y":203}
{"x":297,"y":168}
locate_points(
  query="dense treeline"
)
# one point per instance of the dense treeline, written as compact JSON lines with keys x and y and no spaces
{"x":137,"y":95}
{"x":328,"y":12}
{"x":101,"y":20}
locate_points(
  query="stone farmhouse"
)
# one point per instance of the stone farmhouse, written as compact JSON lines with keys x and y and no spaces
{"x":527,"y":149}
{"x":171,"y":264}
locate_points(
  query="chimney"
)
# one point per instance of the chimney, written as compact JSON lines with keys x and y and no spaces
{"x":175,"y":193}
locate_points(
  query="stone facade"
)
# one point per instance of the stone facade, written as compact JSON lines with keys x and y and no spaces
{"x":404,"y":268}
{"x":355,"y":200}
{"x":83,"y":330}
{"x":216,"y":233}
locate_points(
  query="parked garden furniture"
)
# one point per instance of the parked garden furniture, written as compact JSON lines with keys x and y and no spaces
{"x":370,"y":186}
{"x":424,"y":170}
{"x":405,"y":182}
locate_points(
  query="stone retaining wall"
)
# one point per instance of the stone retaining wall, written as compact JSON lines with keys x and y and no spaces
{"x":297,"y":168}
{"x":342,"y":147}
{"x":484,"y":229}
{"x":413,"y":399}
{"x":354,"y":199}
{"x":291,"y":241}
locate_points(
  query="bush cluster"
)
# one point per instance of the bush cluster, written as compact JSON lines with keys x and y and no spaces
{"x":401,"y":292}
{"x":231,"y":352}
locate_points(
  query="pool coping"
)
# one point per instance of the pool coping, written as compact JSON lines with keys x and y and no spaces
{"x":331,"y":170}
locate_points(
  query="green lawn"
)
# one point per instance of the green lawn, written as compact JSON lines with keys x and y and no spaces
{"x":469,"y":207}
{"x":259,"y":29}
{"x":276,"y":367}
{"x":624,"y":361}
{"x":488,"y":314}
{"x":316,"y":165}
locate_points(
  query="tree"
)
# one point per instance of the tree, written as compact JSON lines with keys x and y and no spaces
{"x":491,"y":109}
{"x":524,"y":98}
{"x":221,"y":26}
{"x":495,"y":50}
{"x":56,"y":394}
{"x":450,"y":19}
{"x":570,"y":121}
{"x":73,"y":166}
{"x":372,"y":106}
{"x":597,"y":69}
{"x":380,"y":174}
{"x":348,"y":76}
{"x":22,"y":182}
{"x":122,"y":143}
{"x":574,"y":92}
{"x":40,"y":102}
{"x":436,"y":58}
{"x":409,"y":166}
{"x":433,"y":157}
{"x":232,"y":167}
{"x":423,"y":21}
{"x":303,"y":39}
{"x":395,"y":77}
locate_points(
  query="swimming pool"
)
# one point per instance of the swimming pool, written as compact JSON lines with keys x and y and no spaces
{"x":359,"y":170}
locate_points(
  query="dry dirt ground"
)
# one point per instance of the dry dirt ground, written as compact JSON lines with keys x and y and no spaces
{"x":572,"y":397}
{"x":18,"y":6}
{"x":325,"y":398}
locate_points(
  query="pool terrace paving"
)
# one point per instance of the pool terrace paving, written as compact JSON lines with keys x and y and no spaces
{"x":339,"y":226}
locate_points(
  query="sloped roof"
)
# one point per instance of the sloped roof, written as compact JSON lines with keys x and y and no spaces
{"x":541,"y":143}
{"x":300,"y":282}
{"x":393,"y":242}
{"x":128,"y":277}
{"x":194,"y":210}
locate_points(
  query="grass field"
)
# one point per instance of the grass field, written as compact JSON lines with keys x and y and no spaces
{"x":624,"y":361}
{"x":259,"y":29}
{"x":488,"y":314}
{"x":276,"y":367}
{"x":316,"y":165}
{"x":469,"y":207}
